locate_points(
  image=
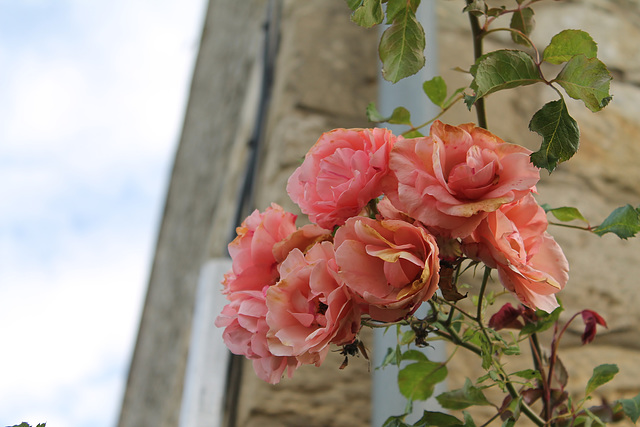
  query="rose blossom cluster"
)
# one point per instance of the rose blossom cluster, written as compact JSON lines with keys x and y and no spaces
{"x":386,"y":212}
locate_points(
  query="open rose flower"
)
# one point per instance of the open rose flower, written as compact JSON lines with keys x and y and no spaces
{"x":310,"y":308}
{"x":244,"y":320}
{"x":452,"y":178}
{"x":391,"y":265}
{"x":341,"y":173}
{"x":530,"y":263}
{"x":254,"y":265}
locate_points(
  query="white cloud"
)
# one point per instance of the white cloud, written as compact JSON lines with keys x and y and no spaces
{"x":93,"y":99}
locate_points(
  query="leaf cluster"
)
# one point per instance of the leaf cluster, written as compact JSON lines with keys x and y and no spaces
{"x":402,"y":44}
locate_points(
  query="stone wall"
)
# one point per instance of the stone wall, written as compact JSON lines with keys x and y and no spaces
{"x":326,"y":74}
{"x":604,"y":272}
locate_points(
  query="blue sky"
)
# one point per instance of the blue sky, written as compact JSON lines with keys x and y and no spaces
{"x":92,"y":96}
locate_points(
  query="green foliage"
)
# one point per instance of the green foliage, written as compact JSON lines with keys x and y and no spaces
{"x":624,"y":222}
{"x":565,"y":213}
{"x":354,"y":4}
{"x":436,"y":90}
{"x":502,"y":69}
{"x":417,"y":381}
{"x":414,"y":355}
{"x":438,"y":419}
{"x":402,"y":47}
{"x":25,"y":424}
{"x":544,"y":321}
{"x":560,"y":135}
{"x":568,"y":44}
{"x":368,"y":14}
{"x":601,"y":375}
{"x":464,"y":397}
{"x":528,"y":374}
{"x":586,"y":79}
{"x":400,"y":115}
{"x":395,"y":7}
{"x":476,"y":8}
{"x":395,"y":421}
{"x":523,"y":21}
{"x":373,"y":115}
{"x":631,"y":407}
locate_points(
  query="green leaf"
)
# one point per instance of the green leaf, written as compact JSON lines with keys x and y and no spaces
{"x":567,"y":44}
{"x":560,"y":135}
{"x":417,"y":380}
{"x":436,"y":90}
{"x":544,"y":321}
{"x":509,"y":422}
{"x":463,"y":397}
{"x":601,"y":375}
{"x":354,"y":4}
{"x":468,"y":419}
{"x":496,"y":11}
{"x":449,"y":101}
{"x":522,"y":20}
{"x":566,"y":214}
{"x":586,"y":79}
{"x":623,"y":222}
{"x":631,"y":407}
{"x":400,"y":116}
{"x":412,"y":134}
{"x":392,"y":357}
{"x":502,"y":69}
{"x":414,"y":355}
{"x":373,"y":115}
{"x":395,"y":421}
{"x":528,"y":374}
{"x":407,"y":338}
{"x":368,"y":14}
{"x":402,"y":47}
{"x":395,"y":7}
{"x":476,"y":8}
{"x":438,"y":419}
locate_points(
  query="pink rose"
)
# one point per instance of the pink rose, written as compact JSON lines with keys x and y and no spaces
{"x":254,"y":265}
{"x":451,"y":179}
{"x":391,"y":265}
{"x":341,"y":173}
{"x":303,"y":238}
{"x":310,"y":308}
{"x":244,"y":320}
{"x":529,"y":261}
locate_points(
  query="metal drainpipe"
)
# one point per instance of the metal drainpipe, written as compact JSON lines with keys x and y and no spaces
{"x":386,"y":398}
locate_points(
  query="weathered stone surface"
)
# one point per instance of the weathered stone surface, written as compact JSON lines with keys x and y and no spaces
{"x":326,"y":76}
{"x":602,"y":176}
{"x":227,"y":51}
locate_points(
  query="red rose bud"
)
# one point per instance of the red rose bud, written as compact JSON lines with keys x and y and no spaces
{"x":591,"y":318}
{"x":506,"y":317}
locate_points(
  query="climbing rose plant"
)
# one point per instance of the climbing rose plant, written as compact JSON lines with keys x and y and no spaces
{"x":397,"y":219}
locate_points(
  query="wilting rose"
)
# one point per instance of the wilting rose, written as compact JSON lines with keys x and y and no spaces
{"x":391,"y":265}
{"x":244,"y":320}
{"x":452,"y":178}
{"x":310,"y":308}
{"x":254,"y":264}
{"x":341,"y":173}
{"x":529,"y":261}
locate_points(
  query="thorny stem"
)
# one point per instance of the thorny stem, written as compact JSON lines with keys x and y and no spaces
{"x":546,"y":381}
{"x":476,"y":32}
{"x":453,"y":306}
